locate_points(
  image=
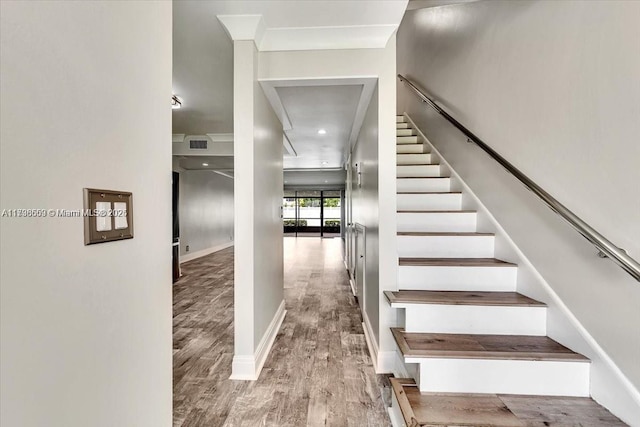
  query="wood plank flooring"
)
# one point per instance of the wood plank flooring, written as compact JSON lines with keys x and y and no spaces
{"x":319,"y":372}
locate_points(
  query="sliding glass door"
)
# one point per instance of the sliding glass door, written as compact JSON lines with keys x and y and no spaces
{"x":312,"y":213}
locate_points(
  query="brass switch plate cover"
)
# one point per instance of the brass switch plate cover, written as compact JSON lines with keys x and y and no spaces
{"x":91,"y":197}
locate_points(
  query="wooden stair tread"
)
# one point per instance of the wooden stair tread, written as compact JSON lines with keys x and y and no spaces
{"x":506,"y":299}
{"x":468,"y":346}
{"x":455,"y":262}
{"x":497,"y":410}
{"x":442,"y":233}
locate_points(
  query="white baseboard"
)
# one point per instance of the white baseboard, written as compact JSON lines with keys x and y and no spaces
{"x":400,"y":369}
{"x":249,"y":367}
{"x":386,"y":362}
{"x":193,"y":255}
{"x":383,"y":361}
{"x":369,"y":337}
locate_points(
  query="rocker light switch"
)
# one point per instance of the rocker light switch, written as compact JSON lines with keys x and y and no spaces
{"x":120,"y":215}
{"x":103,"y":216}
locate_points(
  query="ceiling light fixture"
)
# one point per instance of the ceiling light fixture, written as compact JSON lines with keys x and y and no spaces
{"x":175,"y":102}
{"x":325,"y":163}
{"x":205,"y":164}
{"x":322,"y":132}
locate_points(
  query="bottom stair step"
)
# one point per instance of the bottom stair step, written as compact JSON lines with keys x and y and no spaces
{"x":509,"y":364}
{"x":411,"y":408}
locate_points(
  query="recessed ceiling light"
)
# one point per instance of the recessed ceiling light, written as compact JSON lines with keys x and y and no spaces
{"x":325,"y":163}
{"x":205,"y":164}
{"x":322,"y":132}
{"x":326,"y":180}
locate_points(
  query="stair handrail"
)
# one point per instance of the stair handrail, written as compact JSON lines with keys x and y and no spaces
{"x":605,"y":247}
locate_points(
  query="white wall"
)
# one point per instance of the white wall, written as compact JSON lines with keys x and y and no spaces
{"x":364,"y":199}
{"x":86,"y":330}
{"x":553,"y":87}
{"x":361,"y":63}
{"x":268,"y":272}
{"x":259,"y":277}
{"x":205,"y":211}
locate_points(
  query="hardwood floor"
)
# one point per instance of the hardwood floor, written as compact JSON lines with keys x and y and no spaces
{"x":319,"y":372}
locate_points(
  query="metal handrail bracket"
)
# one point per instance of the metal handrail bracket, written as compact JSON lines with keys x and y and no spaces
{"x":605,"y":247}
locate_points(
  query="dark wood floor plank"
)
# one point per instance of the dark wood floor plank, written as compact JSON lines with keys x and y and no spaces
{"x":319,"y":371}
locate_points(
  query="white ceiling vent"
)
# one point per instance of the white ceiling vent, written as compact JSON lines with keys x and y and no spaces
{"x":198,"y":142}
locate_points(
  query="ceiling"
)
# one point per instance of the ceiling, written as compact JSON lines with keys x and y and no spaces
{"x":334,"y":178}
{"x":423,"y":4}
{"x":222,"y":163}
{"x":203,"y":69}
{"x":312,"y":108}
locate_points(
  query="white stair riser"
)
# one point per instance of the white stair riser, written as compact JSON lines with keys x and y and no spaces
{"x":402,"y":125}
{"x":437,"y":221}
{"x":439,"y":278}
{"x":419,"y":184}
{"x":548,"y":378}
{"x":409,"y":148}
{"x":407,"y":139}
{"x":477,"y":319}
{"x":395,"y":413}
{"x":418,"y":171}
{"x":446,"y":246}
{"x":401,"y":119}
{"x":429,"y":202}
{"x":413,"y":159}
{"x":405,"y":132}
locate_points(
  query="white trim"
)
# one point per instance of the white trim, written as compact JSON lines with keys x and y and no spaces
{"x":386,"y":362}
{"x":400,"y":369}
{"x":223,"y":173}
{"x":395,"y":413}
{"x":623,"y":381}
{"x":243,"y":368}
{"x":369,"y":337}
{"x":269,"y":337}
{"x":353,"y":287}
{"x":193,"y":255}
{"x":249,"y":367}
{"x":220,"y":137}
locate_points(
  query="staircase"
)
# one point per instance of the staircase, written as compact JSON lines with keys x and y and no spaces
{"x":475,"y":349}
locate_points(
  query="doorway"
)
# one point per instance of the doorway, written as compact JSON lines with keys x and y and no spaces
{"x":312,"y":213}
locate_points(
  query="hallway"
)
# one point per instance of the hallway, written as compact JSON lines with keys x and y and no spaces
{"x":319,"y":371}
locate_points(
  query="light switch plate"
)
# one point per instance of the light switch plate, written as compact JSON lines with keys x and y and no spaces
{"x":108,"y":216}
